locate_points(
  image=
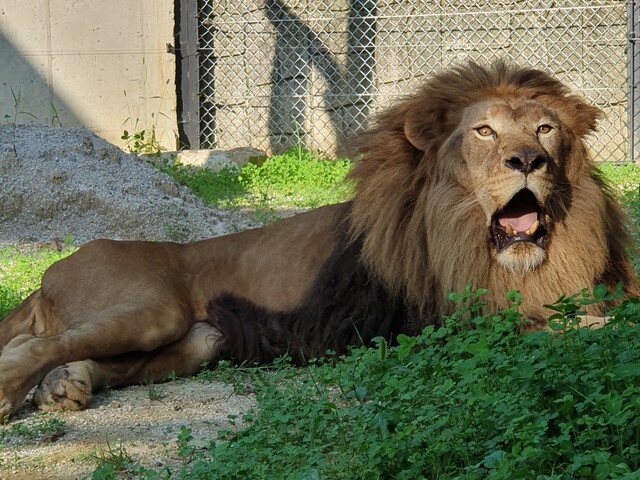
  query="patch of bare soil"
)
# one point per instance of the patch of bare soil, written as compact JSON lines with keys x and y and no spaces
{"x":146,"y":428}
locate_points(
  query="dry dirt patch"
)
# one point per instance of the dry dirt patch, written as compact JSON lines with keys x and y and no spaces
{"x":147,"y":429}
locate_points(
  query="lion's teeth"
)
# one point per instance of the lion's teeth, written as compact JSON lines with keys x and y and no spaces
{"x":510,"y":231}
{"x":533,"y":228}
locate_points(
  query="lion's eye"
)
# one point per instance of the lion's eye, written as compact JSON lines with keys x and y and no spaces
{"x":544,"y":129}
{"x":485,"y":131}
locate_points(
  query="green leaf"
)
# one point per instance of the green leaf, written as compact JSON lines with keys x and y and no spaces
{"x":514,"y":296}
{"x":524,"y":370}
{"x":479,"y":347}
{"x":406,"y":344}
{"x":627,"y":370}
{"x":492,"y":460}
{"x":600,"y":292}
{"x":361,"y":393}
{"x":381,"y":421}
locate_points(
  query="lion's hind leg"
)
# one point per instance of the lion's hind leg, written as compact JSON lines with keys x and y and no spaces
{"x":138,"y":329}
{"x":70,"y":386}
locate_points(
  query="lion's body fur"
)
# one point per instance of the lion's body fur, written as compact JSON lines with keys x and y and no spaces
{"x":436,"y":178}
{"x":346,"y":305}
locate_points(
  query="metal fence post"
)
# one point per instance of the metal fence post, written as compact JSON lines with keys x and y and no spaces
{"x":633,"y":65}
{"x":187,"y":66}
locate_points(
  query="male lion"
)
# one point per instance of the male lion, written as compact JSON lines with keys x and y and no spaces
{"x":481,"y":177}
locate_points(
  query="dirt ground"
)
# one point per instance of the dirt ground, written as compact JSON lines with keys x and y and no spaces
{"x":146,"y":428}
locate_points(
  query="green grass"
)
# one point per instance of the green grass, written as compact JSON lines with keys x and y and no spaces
{"x":625,"y":177}
{"x":296,"y":178}
{"x":625,"y":183}
{"x":47,"y":428}
{"x":20,"y":272}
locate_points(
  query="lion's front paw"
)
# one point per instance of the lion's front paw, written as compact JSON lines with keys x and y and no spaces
{"x":64,"y":388}
{"x":6,"y":407}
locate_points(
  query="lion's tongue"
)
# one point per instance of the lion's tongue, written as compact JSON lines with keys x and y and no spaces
{"x":519,"y":221}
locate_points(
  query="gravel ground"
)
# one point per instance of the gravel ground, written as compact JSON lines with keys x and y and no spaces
{"x":61,"y":182}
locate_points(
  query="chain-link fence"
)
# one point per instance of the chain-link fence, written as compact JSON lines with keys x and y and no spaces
{"x":278,"y":73}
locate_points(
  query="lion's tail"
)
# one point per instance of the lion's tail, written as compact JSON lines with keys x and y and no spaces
{"x":20,"y":320}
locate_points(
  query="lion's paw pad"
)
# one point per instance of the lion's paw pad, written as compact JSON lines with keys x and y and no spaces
{"x":62,"y":389}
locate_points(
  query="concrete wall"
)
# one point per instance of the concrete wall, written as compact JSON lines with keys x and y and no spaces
{"x":103,"y":65}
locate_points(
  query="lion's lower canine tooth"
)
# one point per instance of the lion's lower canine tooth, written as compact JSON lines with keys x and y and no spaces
{"x":509,"y":229}
{"x":532,"y":229}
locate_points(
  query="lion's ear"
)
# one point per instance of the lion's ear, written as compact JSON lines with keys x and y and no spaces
{"x":584,"y":117}
{"x":418,"y":127}
{"x":581,"y":117}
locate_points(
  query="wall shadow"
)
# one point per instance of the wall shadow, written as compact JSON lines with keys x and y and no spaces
{"x":25,"y":95}
{"x":348,"y":82}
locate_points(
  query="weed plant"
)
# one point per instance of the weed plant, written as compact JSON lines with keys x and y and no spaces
{"x":142,"y":142}
{"x":17,"y":107}
{"x":114,"y":462}
{"x":474,"y":399}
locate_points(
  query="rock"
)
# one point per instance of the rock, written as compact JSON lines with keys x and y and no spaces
{"x":213,"y":159}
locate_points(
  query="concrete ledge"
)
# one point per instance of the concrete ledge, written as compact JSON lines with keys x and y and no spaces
{"x":213,"y":159}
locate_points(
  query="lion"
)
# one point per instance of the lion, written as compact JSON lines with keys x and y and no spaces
{"x":481,"y":177}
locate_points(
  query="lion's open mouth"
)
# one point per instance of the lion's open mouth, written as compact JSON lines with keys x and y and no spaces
{"x":520,"y":220}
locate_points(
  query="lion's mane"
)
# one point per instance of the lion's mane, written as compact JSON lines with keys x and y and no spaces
{"x":422,"y":233}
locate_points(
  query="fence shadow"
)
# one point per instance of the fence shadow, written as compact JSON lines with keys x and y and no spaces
{"x":347,"y":79}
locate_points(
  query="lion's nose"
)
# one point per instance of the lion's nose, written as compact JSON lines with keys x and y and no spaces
{"x":525,"y":161}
